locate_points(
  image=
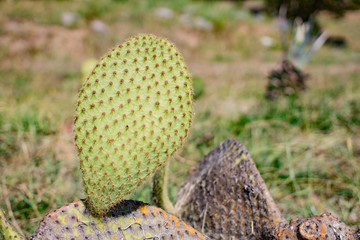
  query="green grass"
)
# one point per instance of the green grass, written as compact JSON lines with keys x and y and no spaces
{"x":306,"y":148}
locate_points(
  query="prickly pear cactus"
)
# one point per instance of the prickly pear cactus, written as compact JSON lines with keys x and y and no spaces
{"x":226,"y":197}
{"x":128,"y":220}
{"x":133,"y":112}
{"x":159,"y":190}
{"x":6,"y":230}
{"x":323,"y":227}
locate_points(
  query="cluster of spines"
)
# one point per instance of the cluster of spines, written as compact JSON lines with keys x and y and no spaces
{"x":133,"y":112}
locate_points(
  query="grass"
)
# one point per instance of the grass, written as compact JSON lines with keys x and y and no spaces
{"x":307,"y":153}
{"x":306,"y":148}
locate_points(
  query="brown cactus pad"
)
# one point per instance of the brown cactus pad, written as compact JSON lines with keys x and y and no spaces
{"x":325,"y":226}
{"x":130,"y":220}
{"x":226,"y":197}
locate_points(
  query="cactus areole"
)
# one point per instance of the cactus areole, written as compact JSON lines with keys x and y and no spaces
{"x":133,"y":112}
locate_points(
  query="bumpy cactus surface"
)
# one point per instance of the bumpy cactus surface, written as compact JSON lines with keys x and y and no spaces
{"x":6,"y":230}
{"x":323,"y":227}
{"x":128,"y":220}
{"x":133,"y":112}
{"x":226,"y":197}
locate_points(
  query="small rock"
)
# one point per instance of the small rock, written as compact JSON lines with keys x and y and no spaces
{"x":267,"y":41}
{"x":185,"y":18}
{"x":202,"y":23}
{"x":68,"y":18}
{"x":163,"y":12}
{"x":98,"y":26}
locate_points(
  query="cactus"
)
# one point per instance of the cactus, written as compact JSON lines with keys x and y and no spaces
{"x":323,"y":227}
{"x":6,"y":230}
{"x":128,"y":220}
{"x":226,"y":198}
{"x":133,"y":112}
{"x":159,"y":190}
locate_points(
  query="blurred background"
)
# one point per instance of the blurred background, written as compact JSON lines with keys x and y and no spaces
{"x":282,"y":76}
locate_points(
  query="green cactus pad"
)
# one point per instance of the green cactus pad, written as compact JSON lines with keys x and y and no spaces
{"x":6,"y":230}
{"x":133,"y":112}
{"x":128,"y":220}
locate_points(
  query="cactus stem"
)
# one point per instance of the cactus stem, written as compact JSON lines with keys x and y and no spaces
{"x":159,"y":189}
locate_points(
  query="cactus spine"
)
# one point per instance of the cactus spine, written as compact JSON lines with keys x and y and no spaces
{"x":133,"y":112}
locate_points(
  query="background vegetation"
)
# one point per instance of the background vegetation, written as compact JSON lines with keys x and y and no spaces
{"x":307,"y":148}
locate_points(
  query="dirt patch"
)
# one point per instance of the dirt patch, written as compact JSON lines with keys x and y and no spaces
{"x":23,"y":42}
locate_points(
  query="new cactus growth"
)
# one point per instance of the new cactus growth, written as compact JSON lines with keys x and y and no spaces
{"x":133,"y":112}
{"x":159,"y":190}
